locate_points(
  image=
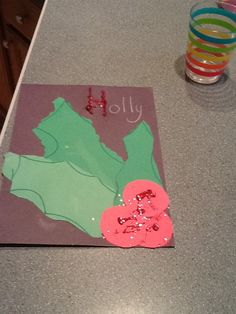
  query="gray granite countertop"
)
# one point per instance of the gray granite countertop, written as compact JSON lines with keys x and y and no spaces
{"x":139,"y":43}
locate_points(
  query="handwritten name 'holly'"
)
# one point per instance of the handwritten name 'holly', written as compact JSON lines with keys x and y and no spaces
{"x":129,"y":107}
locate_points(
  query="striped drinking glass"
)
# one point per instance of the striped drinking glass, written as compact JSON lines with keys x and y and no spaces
{"x":211,"y":40}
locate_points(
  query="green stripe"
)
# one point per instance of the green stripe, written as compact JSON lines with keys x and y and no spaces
{"x":216,"y":22}
{"x":209,"y":48}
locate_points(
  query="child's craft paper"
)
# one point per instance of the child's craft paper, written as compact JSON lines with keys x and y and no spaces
{"x":85,"y":171}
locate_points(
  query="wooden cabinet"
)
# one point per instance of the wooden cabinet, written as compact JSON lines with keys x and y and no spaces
{"x":6,"y":83}
{"x":18,"y":19}
{"x":17,"y":49}
{"x":22,"y":15}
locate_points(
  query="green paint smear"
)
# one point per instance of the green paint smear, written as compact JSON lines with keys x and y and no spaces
{"x":67,"y":136}
{"x":140,"y":163}
{"x":62,"y":191}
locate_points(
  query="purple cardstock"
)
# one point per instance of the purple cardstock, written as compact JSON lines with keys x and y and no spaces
{"x":20,"y":220}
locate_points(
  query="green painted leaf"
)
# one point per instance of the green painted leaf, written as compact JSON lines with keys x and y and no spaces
{"x":60,"y":190}
{"x":67,"y":136}
{"x":140,"y":163}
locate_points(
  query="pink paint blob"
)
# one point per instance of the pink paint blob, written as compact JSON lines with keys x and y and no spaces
{"x":116,"y":233}
{"x":159,"y":202}
{"x":162,"y":235}
{"x":142,"y":220}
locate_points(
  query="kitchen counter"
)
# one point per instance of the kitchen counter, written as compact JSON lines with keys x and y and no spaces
{"x":138,"y":43}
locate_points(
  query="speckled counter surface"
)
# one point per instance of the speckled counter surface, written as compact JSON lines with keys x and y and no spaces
{"x":139,"y":43}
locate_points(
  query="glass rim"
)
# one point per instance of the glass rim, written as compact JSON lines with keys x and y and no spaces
{"x":211,"y":6}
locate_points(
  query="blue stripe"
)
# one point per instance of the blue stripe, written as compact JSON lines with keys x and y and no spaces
{"x":219,"y":11}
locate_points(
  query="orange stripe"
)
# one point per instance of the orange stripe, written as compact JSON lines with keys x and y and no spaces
{"x":202,"y":73}
{"x":210,"y":56}
{"x":206,"y":65}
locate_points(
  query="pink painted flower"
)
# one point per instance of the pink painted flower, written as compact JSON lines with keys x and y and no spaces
{"x":142,"y":220}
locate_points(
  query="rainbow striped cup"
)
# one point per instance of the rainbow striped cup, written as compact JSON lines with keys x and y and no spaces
{"x":212,"y":40}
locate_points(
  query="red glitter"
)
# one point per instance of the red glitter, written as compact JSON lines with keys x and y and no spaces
{"x":147,"y":193}
{"x":96,"y":103}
